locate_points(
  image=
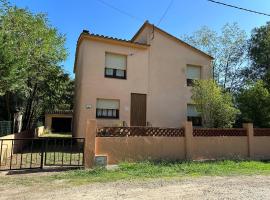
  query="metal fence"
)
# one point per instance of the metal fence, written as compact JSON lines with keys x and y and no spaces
{"x":31,"y":153}
{"x":5,"y":128}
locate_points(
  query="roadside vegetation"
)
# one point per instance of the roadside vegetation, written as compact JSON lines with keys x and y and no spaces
{"x":145,"y":171}
{"x":148,"y":170}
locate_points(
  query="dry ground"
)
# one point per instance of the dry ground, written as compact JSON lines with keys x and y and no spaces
{"x":206,"y":187}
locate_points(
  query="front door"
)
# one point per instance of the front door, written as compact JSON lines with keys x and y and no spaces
{"x":138,"y":110}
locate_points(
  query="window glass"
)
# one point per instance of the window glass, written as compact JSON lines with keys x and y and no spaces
{"x":120,"y":73}
{"x":109,"y":71}
{"x":191,"y":111}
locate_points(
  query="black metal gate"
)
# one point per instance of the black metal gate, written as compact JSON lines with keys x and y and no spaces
{"x":64,"y":152}
{"x":31,"y":153}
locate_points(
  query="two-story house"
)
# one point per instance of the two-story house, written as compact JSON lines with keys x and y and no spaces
{"x":138,"y":82}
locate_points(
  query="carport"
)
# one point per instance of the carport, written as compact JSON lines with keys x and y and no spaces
{"x":59,"y":120}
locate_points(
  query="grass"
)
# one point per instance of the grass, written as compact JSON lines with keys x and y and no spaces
{"x":60,"y":135}
{"x":150,"y":170}
{"x":145,"y":171}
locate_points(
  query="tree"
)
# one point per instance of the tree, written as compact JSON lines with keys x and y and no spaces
{"x":259,"y":52}
{"x":229,"y":50}
{"x":214,"y":105}
{"x":31,"y":51}
{"x":254,"y":104}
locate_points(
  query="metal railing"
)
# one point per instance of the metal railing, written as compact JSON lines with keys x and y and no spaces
{"x":31,"y":153}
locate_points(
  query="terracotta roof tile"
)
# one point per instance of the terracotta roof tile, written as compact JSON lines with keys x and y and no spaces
{"x":113,"y":38}
{"x":59,"y":112}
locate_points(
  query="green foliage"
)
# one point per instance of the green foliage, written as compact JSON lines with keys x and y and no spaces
{"x":215,"y":106}
{"x":29,"y":46}
{"x":144,"y":170}
{"x":229,"y":50}
{"x":148,"y":170}
{"x":31,"y":51}
{"x":254,"y":104}
{"x":259,"y":51}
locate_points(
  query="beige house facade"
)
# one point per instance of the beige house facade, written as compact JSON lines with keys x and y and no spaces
{"x":145,"y":81}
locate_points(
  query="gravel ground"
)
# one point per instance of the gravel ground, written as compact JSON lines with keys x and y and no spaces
{"x":233,"y":187}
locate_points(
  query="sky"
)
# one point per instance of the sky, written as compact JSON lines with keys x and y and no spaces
{"x":70,"y":17}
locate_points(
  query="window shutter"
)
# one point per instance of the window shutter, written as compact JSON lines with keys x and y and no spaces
{"x":191,"y":111}
{"x":193,"y":72}
{"x":107,"y":104}
{"x":115,"y":61}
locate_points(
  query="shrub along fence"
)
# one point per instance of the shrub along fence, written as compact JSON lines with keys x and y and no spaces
{"x":187,"y":143}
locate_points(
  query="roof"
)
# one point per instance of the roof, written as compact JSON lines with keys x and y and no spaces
{"x":59,"y":112}
{"x":117,"y":39}
{"x":146,"y":23}
{"x":87,"y":35}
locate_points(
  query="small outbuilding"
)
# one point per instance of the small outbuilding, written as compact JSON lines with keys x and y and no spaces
{"x":59,"y":120}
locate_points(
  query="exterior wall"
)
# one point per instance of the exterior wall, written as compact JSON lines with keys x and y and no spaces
{"x":78,"y":93}
{"x":94,"y":85}
{"x":219,"y":147}
{"x":48,"y":119}
{"x":168,"y":94}
{"x":236,"y":144}
{"x":159,"y":72}
{"x":261,"y":147}
{"x":39,"y":131}
{"x":119,"y":149}
{"x":6,"y":146}
{"x":9,"y":146}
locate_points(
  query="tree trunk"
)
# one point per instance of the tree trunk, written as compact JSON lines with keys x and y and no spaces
{"x":28,"y":110}
{"x":7,"y":103}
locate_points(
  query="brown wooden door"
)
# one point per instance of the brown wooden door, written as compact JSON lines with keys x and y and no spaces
{"x":138,"y":110}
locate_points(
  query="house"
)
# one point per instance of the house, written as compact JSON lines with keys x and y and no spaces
{"x":59,"y":120}
{"x":143,"y":81}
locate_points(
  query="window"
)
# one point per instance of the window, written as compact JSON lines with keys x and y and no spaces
{"x":115,"y":66}
{"x":107,"y":108}
{"x":193,"y":115}
{"x":193,"y":73}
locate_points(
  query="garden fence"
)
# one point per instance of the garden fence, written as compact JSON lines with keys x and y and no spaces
{"x":5,"y":128}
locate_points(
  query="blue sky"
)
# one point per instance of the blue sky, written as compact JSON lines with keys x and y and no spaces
{"x":184,"y":17}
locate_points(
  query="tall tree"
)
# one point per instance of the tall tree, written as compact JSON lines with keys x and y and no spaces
{"x":229,"y":50}
{"x":31,"y":51}
{"x":259,"y":52}
{"x":254,"y":104}
{"x":214,"y":105}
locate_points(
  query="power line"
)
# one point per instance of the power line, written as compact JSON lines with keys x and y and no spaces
{"x":164,"y":14}
{"x":240,"y":8}
{"x":121,"y":11}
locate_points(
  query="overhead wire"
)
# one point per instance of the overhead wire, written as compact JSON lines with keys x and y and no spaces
{"x":165,"y":12}
{"x":240,"y":8}
{"x":121,"y":11}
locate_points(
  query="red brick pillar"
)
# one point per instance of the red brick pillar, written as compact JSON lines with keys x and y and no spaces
{"x":89,"y":145}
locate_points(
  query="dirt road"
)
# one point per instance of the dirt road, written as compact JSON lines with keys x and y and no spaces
{"x":234,"y":187}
